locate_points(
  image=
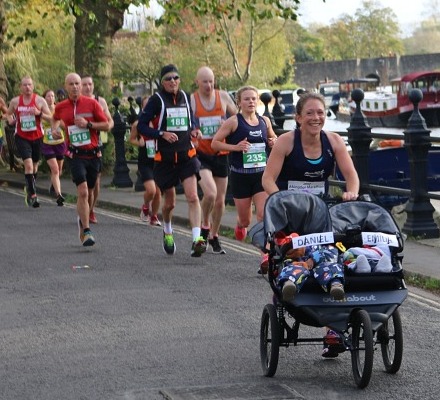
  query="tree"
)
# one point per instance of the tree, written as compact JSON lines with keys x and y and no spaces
{"x":138,"y":57}
{"x":97,"y":22}
{"x":40,"y":38}
{"x":227,"y":17}
{"x":3,"y":27}
{"x":425,"y":38}
{"x":191,"y":36}
{"x":371,"y":32}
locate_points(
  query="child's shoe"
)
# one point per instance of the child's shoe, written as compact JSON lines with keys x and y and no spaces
{"x":362,"y":265}
{"x":384,"y":264}
{"x":337,"y":290}
{"x":288,"y":291}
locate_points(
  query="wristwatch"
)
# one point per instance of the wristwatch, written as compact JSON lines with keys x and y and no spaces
{"x":160,"y":133}
{"x":89,"y":125}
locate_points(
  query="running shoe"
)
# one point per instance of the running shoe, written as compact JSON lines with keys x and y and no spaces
{"x":88,"y":239}
{"x":80,"y":229}
{"x":333,"y":344}
{"x":52,"y":190}
{"x":289,"y":290}
{"x":92,"y":217}
{"x":215,"y":245}
{"x":154,"y":221}
{"x":264,"y":266}
{"x":240,"y":233}
{"x":198,"y":247}
{"x":337,"y":290}
{"x":27,"y":198}
{"x":169,"y":247}
{"x":33,"y":201}
{"x":145,"y":214}
{"x":60,"y":200}
{"x":204,"y":233}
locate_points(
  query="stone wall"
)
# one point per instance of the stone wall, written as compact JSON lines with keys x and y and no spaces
{"x":308,"y":74}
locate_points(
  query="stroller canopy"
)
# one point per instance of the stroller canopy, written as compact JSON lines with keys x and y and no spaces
{"x":302,"y":213}
{"x":369,"y":216}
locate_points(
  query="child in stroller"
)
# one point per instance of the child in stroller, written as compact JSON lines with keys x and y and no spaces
{"x":301,"y":262}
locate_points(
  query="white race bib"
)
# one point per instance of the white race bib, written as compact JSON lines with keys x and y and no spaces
{"x":316,"y":188}
{"x":177,"y":119}
{"x":151,"y":148}
{"x":78,"y":136}
{"x":256,"y":156}
{"x":28,"y":123}
{"x":209,"y":126}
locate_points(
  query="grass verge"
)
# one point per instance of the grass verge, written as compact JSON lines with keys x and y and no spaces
{"x":423,"y":282}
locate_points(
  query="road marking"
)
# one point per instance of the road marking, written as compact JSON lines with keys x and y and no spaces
{"x":228,"y":244}
{"x":424,"y":301}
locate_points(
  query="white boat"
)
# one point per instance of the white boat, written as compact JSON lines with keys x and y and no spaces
{"x":391,"y":106}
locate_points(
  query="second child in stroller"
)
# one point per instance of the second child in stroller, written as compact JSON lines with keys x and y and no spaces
{"x":319,"y":260}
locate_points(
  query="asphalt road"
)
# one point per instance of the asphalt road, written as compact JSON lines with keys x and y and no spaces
{"x":137,"y":324}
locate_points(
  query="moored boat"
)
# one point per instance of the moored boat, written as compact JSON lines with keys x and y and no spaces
{"x":390,"y":106}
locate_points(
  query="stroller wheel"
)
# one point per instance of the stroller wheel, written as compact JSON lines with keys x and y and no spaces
{"x":362,"y":348}
{"x":270,"y":336}
{"x":390,"y":337}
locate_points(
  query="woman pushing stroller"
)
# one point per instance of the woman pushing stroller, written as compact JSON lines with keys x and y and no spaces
{"x":302,"y":160}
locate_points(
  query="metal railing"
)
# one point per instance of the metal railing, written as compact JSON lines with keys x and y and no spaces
{"x":417,"y":141}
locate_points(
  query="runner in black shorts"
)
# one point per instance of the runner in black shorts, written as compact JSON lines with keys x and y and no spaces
{"x":83,"y":118}
{"x":211,"y":108}
{"x":87,"y":89}
{"x":247,"y":136}
{"x":29,"y":109}
{"x":146,"y":152}
{"x":167,"y":117}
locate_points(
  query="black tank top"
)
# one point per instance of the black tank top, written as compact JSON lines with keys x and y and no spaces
{"x":298,"y":168}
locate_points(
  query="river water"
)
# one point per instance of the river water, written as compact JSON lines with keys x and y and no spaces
{"x":339,"y":126}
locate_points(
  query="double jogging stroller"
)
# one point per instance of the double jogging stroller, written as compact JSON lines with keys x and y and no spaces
{"x":368,"y":318}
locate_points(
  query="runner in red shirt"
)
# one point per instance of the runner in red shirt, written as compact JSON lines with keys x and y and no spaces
{"x":82,"y":118}
{"x":27,"y":110}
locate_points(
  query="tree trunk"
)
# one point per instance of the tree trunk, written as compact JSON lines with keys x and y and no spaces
{"x":3,"y":27}
{"x":93,"y":42}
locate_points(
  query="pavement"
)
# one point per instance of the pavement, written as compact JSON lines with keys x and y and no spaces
{"x":420,"y":256}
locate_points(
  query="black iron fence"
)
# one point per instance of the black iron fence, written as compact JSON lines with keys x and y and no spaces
{"x":417,"y":142}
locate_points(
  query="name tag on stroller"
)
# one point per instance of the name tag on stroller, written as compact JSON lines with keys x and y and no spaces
{"x":312,"y":239}
{"x":375,"y":238}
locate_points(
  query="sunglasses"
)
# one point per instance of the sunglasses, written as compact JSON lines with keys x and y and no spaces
{"x":171,"y":78}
